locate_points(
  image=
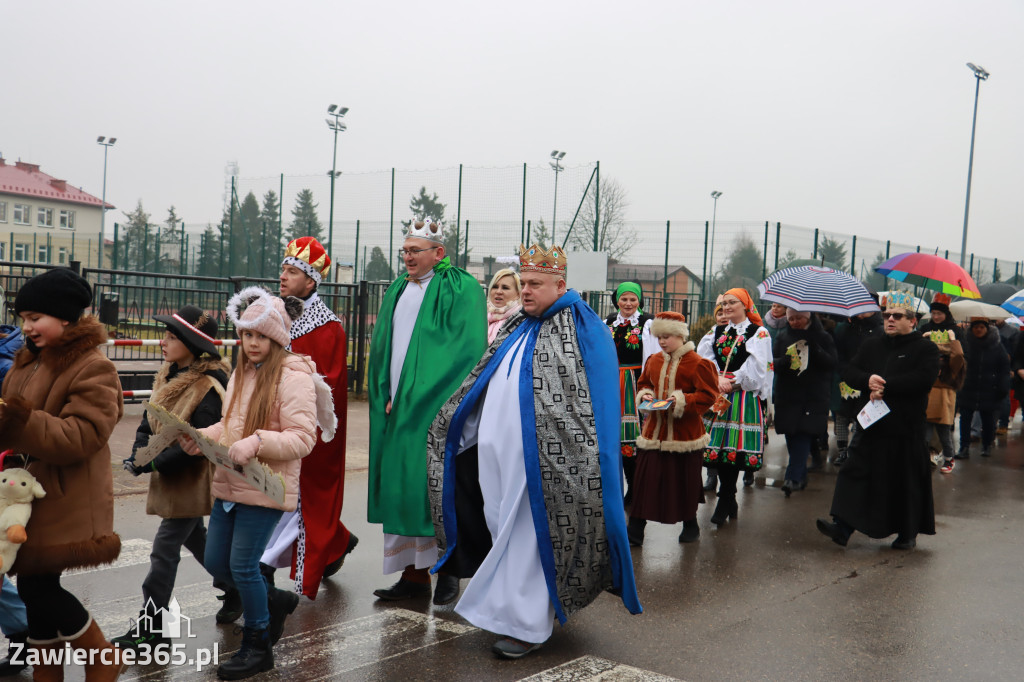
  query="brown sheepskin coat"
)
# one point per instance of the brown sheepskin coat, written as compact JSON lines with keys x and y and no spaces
{"x":61,"y":406}
{"x":693,"y":382}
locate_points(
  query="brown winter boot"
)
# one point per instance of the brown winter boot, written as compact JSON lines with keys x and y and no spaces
{"x":43,"y":671}
{"x":102,"y":667}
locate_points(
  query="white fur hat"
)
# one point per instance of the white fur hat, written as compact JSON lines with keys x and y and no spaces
{"x":256,"y":309}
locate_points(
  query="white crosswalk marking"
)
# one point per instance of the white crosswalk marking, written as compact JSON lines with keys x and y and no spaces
{"x":594,"y":669}
{"x":342,"y":648}
{"x":134,"y":552}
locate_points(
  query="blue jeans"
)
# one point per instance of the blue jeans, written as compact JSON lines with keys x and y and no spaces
{"x":13,"y":620}
{"x":234,"y":544}
{"x":799,"y":446}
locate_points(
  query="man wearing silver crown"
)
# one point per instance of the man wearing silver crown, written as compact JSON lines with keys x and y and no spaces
{"x":885,"y":486}
{"x":532,"y":507}
{"x":430,"y":331}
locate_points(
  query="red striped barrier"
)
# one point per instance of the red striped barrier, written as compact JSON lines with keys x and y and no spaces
{"x":156,"y":342}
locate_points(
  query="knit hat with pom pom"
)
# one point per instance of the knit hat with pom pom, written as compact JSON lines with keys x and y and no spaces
{"x":256,"y":309}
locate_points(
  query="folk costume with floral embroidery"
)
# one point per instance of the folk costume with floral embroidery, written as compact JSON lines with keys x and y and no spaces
{"x":742,"y":352}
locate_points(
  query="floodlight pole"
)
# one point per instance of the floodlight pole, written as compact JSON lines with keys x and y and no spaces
{"x":107,"y":144}
{"x":337,"y":126}
{"x":556,"y":165}
{"x":714,"y":215}
{"x":980,"y":74}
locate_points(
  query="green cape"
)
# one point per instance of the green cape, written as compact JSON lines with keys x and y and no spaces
{"x":449,"y":338}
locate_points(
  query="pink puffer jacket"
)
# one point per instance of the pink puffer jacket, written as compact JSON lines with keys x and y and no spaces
{"x":290,"y":436}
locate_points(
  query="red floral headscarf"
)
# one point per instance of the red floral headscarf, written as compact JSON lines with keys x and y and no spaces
{"x":748,"y":303}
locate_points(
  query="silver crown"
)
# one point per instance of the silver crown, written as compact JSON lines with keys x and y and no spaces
{"x":427,"y":228}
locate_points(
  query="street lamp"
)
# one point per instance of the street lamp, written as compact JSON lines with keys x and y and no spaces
{"x":714,"y":215}
{"x":980,"y":74}
{"x":107,"y":144}
{"x":556,"y":165}
{"x":335,"y":113}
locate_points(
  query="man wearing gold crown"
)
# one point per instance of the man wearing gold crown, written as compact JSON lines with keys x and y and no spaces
{"x":431,"y":330}
{"x":532,"y":507}
{"x":312,"y":539}
{"x":885,"y":486}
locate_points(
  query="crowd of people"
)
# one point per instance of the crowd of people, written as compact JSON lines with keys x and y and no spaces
{"x":518,"y":442}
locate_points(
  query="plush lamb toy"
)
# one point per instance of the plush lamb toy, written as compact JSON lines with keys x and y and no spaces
{"x":17,"y":490}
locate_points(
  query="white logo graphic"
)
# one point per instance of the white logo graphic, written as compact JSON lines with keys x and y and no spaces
{"x":167,"y":622}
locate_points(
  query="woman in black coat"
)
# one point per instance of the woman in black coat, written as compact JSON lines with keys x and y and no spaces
{"x":986,"y":384}
{"x":805,"y":357}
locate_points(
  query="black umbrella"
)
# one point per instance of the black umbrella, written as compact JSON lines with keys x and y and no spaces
{"x":996,"y":292}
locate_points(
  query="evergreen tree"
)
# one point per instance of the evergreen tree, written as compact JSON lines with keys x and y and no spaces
{"x":270,"y":227}
{"x":787,"y":259}
{"x":305,"y":221}
{"x":832,"y":251}
{"x":742,"y":268}
{"x":874,"y":280}
{"x":208,"y":263}
{"x":378,"y":270}
{"x":540,"y":235}
{"x":170,"y":240}
{"x":138,"y":240}
{"x":248,"y":237}
{"x":997,"y":276}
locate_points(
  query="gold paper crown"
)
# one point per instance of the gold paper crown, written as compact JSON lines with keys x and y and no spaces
{"x":309,"y":255}
{"x":901,"y":299}
{"x":536,"y":259}
{"x":427,"y":228}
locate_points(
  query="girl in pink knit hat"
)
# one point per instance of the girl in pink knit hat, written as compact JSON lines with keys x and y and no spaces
{"x":271,"y":411}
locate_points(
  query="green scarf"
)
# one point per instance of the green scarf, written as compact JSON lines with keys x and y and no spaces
{"x":631,"y":288}
{"x":449,"y":338}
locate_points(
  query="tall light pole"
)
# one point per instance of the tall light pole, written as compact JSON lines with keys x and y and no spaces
{"x":714,"y":215}
{"x":556,"y":165}
{"x":338,"y":126}
{"x":107,"y":144}
{"x":980,"y":74}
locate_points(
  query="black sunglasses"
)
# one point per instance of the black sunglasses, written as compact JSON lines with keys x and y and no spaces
{"x":894,"y":316}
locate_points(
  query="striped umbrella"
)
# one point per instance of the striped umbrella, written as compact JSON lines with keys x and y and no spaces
{"x":816,"y":289}
{"x":1015,"y":304}
{"x":931,"y":272}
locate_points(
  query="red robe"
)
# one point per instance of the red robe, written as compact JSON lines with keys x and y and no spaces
{"x":323,"y":538}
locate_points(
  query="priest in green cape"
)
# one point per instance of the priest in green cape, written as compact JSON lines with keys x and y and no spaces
{"x":430,"y":332}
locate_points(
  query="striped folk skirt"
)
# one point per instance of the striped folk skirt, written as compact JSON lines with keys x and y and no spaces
{"x":737,"y":437}
{"x":629,"y":428}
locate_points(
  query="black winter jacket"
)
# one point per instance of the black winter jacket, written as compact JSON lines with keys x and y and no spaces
{"x":988,"y":372}
{"x":801,"y":398}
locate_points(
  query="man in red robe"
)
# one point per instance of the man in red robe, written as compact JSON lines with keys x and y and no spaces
{"x":313,"y":540}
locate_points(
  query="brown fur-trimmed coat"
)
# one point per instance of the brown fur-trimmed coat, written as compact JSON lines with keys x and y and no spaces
{"x":62,"y":404}
{"x":693,"y":382}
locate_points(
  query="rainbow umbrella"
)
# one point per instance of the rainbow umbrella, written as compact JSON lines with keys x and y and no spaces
{"x":931,"y":272}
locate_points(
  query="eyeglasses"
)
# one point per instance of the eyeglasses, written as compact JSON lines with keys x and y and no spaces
{"x":402,"y":253}
{"x":894,"y":316}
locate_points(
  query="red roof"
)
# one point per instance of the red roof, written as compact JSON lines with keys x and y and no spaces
{"x":25,"y":179}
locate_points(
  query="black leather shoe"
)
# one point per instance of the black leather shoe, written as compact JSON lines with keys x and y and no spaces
{"x":964,"y":453}
{"x":725,"y":509}
{"x":281,"y":604}
{"x":335,"y":566}
{"x":403,"y":589}
{"x":833,"y":531}
{"x":635,"y":531}
{"x":904,"y":543}
{"x":231,"y":609}
{"x":691,"y":531}
{"x":986,"y":452}
{"x":788,"y":487}
{"x":748,"y":479}
{"x":711,"y":482}
{"x":447,"y":589}
{"x":8,"y":666}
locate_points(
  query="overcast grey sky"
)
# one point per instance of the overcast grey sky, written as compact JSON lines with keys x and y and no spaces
{"x":848,"y":116}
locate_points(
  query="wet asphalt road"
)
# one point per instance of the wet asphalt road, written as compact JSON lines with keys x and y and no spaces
{"x":763,"y":597}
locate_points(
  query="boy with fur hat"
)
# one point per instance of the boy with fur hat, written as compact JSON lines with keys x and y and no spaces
{"x":671,"y":446}
{"x":61,"y":401}
{"x":190,"y":385}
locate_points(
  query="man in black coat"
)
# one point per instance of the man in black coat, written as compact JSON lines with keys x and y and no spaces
{"x":805,"y":357}
{"x":885,"y":486}
{"x":986,"y":384}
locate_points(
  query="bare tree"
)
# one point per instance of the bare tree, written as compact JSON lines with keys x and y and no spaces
{"x":613,"y":235}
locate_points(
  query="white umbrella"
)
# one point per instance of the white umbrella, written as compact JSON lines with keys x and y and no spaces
{"x":965,"y":309}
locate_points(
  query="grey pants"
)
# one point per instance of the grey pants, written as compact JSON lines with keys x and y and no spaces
{"x":945,"y":432}
{"x":166,"y":554}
